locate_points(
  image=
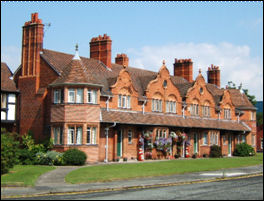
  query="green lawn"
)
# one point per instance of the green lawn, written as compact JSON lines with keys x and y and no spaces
{"x":112,"y":172}
{"x":24,"y":175}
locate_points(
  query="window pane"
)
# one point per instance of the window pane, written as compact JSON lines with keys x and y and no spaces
{"x":71,"y":135}
{"x":88,"y":135}
{"x":3,"y":115}
{"x":94,"y":136}
{"x":11,"y":98}
{"x":79,"y":98}
{"x":119,"y":101}
{"x":11,"y":112}
{"x":71,"y":96}
{"x":94,"y":97}
{"x":79,"y":135}
{"x":128,"y":102}
{"x":3,"y":101}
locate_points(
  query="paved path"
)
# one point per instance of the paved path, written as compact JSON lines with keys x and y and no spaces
{"x":53,"y":182}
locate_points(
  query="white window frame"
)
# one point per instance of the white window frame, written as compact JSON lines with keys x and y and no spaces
{"x":194,"y":109}
{"x":156,"y":105}
{"x":124,"y":101}
{"x":206,"y":111}
{"x":71,"y":95}
{"x":71,"y":134}
{"x":58,"y":134}
{"x":56,"y":98}
{"x":213,"y":139}
{"x":92,"y":133}
{"x":92,"y":95}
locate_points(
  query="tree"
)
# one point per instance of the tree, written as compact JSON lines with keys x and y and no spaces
{"x":251,"y":98}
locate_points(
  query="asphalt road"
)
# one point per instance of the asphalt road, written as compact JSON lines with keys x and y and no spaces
{"x":235,"y":189}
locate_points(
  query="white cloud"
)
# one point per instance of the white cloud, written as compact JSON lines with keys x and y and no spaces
{"x":11,"y":55}
{"x":235,"y":62}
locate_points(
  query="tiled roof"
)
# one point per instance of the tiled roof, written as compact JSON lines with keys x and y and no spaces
{"x":98,"y":73}
{"x":240,"y":100}
{"x":159,"y":119}
{"x":96,"y":69}
{"x":76,"y":73}
{"x":7,"y":84}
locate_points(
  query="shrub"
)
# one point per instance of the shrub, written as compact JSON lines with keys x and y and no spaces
{"x":9,"y":150}
{"x":74,"y":157}
{"x":49,"y":158}
{"x":243,"y":150}
{"x":177,"y":156}
{"x":215,"y":151}
{"x":26,"y":157}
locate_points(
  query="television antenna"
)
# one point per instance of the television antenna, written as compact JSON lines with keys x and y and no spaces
{"x":47,"y":25}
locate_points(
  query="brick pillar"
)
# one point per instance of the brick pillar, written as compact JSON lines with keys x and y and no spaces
{"x":184,"y":68}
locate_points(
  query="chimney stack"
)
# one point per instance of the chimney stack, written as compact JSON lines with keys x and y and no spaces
{"x":101,"y":49}
{"x":184,"y":68}
{"x":213,"y":75}
{"x":122,"y":59}
{"x":32,"y":44}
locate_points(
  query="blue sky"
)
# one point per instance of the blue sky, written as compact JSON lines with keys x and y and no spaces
{"x":226,"y":34}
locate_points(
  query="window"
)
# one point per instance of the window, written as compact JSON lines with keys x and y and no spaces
{"x":130,"y":135}
{"x":124,"y":101}
{"x":205,"y":139}
{"x":170,"y":107}
{"x":213,"y":139}
{"x":79,"y":97}
{"x":3,"y":101}
{"x":92,"y":96}
{"x":71,"y":98}
{"x":243,"y":139}
{"x":91,"y":135}
{"x":58,"y":96}
{"x":156,"y":105}
{"x":164,"y":134}
{"x":58,"y":135}
{"x":194,"y":109}
{"x":206,"y":111}
{"x":71,"y":135}
{"x":79,"y":135}
{"x":224,"y":140}
{"x":227,"y":113}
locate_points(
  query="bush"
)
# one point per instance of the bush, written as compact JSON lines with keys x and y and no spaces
{"x":9,"y":150}
{"x":243,"y":150}
{"x":74,"y":157}
{"x":215,"y":151}
{"x":194,"y":156}
{"x":26,"y":157}
{"x":49,"y":158}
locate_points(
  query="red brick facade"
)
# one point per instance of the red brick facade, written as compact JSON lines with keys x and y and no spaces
{"x":80,"y":103}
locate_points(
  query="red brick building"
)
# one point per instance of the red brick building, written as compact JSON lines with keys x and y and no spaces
{"x":103,"y":108}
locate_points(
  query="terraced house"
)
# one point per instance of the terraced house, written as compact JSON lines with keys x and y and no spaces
{"x":104,"y":108}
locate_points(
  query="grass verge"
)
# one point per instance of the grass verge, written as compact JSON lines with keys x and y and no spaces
{"x":24,"y":175}
{"x":113,"y":172}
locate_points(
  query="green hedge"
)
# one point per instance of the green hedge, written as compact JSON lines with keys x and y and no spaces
{"x":215,"y":152}
{"x":9,"y":150}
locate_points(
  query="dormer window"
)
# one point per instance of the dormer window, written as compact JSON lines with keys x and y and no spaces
{"x":194,"y":109}
{"x":227,"y":113}
{"x":206,"y":109}
{"x":170,"y":106}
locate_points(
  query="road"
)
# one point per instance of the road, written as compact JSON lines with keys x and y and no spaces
{"x":235,"y":189}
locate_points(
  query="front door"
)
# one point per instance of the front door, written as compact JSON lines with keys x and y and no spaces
{"x":229,"y":145}
{"x":119,"y":143}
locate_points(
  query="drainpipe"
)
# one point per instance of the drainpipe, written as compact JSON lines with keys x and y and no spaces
{"x":143,"y":106}
{"x":183,"y":108}
{"x":106,"y":145}
{"x":107,"y":103}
